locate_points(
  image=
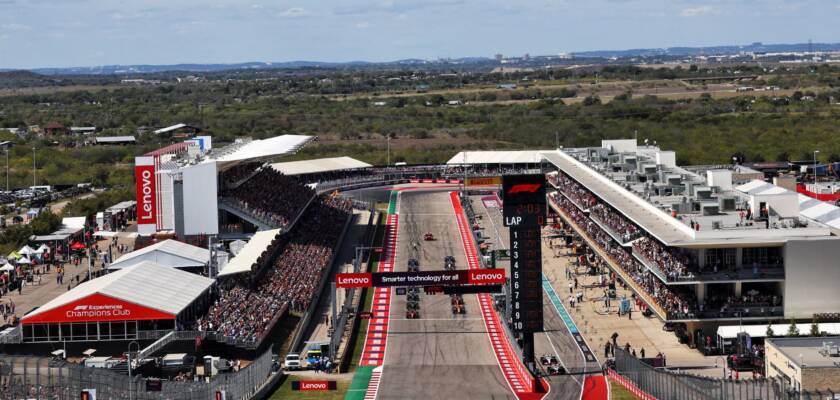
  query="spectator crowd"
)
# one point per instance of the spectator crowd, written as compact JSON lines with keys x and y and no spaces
{"x":246,"y":312}
{"x":271,"y":197}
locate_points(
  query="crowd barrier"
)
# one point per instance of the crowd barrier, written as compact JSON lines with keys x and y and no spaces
{"x":649,"y":383}
{"x":49,"y":379}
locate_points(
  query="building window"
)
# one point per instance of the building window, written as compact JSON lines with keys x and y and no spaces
{"x":722,"y":258}
{"x":762,"y":256}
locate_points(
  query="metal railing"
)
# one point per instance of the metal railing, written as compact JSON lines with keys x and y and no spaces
{"x":44,"y":378}
{"x":664,"y":384}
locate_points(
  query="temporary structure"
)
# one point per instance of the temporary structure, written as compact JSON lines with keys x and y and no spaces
{"x":26,"y":250}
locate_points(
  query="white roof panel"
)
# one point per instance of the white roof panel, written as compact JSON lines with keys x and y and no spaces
{"x":76,"y":223}
{"x":170,"y":128}
{"x":278,"y":145}
{"x":147,"y":284}
{"x":813,"y":209}
{"x":186,"y":254}
{"x":319,"y":165}
{"x":249,"y":254}
{"x":498,"y":157}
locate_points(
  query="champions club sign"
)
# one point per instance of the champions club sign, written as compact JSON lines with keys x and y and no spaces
{"x":384,"y":279}
{"x":95,"y":308}
{"x":146,"y":187}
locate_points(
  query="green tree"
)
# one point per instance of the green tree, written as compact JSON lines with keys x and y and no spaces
{"x":591,"y":100}
{"x":815,"y":328}
{"x":793,"y":330}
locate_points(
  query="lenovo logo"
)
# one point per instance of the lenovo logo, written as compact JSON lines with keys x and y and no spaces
{"x":353,"y":280}
{"x":146,"y":187}
{"x":146,"y":193}
{"x":524,"y":188}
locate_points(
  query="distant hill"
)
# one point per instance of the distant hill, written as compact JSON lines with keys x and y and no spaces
{"x":712,"y":50}
{"x":128,"y":70}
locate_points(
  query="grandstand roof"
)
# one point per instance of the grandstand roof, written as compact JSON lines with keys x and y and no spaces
{"x":170,"y":253}
{"x":266,"y":148}
{"x":498,"y":157}
{"x":249,"y":253}
{"x":319,"y":165}
{"x":148,"y":284}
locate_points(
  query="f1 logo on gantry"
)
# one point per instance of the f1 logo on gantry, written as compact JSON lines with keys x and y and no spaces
{"x":524,"y":188}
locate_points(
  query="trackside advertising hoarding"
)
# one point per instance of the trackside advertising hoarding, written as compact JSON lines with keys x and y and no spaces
{"x":459,"y":277}
{"x":314,"y":385}
{"x":96,"y":308}
{"x":146,"y":186}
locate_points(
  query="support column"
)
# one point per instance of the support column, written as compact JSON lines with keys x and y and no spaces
{"x":739,"y":257}
{"x":701,"y":293}
{"x":738,"y":289}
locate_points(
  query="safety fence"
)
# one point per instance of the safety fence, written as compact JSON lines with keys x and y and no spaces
{"x":651,"y":383}
{"x":48,"y":379}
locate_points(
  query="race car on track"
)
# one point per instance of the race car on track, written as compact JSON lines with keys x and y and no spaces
{"x":428,"y":237}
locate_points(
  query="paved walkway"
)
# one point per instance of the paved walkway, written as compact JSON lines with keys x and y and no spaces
{"x":37,"y":293}
{"x":598,"y":323}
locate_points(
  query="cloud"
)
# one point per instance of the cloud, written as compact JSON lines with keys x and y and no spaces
{"x":294,"y":12}
{"x":14,"y":27}
{"x":362,"y":25}
{"x":697,"y":11}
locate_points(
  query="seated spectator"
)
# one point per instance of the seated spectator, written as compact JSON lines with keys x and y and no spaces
{"x":246,"y":313}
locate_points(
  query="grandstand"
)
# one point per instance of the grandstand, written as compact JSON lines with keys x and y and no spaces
{"x":693,"y":246}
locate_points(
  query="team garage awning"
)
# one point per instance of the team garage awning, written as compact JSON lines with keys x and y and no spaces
{"x":145,"y":291}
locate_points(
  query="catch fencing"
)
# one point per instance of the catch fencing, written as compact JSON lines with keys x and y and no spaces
{"x":648,"y":382}
{"x":48,"y":379}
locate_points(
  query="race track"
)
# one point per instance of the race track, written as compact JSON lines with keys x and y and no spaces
{"x":439,"y":355}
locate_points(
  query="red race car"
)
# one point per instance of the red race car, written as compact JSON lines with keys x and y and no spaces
{"x":428,"y":237}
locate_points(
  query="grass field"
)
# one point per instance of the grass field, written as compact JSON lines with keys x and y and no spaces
{"x":618,"y":392}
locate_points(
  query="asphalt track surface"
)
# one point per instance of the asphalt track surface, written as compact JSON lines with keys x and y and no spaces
{"x":556,"y":339}
{"x":440,"y":355}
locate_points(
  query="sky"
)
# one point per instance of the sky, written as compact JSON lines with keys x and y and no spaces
{"x":64,"y":33}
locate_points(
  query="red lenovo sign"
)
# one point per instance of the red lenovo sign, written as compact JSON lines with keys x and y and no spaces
{"x":359,"y":280}
{"x":96,"y":308}
{"x":146,"y":185}
{"x":486,"y":276}
{"x":313,"y":385}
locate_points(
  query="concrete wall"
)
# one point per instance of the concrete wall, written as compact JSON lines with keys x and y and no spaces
{"x":821,"y":379}
{"x":777,"y":365}
{"x":201,"y":215}
{"x":812,"y":277}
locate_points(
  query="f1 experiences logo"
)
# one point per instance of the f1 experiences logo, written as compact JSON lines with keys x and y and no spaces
{"x":98,"y":311}
{"x":524,"y":188}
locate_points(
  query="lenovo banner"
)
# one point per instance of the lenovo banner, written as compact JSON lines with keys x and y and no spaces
{"x":313,"y":385}
{"x":428,"y":278}
{"x":95,"y":308}
{"x":486,"y":276}
{"x":146,"y":185}
{"x":353,"y":280}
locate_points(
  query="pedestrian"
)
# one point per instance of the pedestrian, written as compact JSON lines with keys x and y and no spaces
{"x":634,"y":353}
{"x":642,"y":352}
{"x":607,"y":350}
{"x":614,"y":338}
{"x":576,"y":282}
{"x":629,"y":313}
{"x":627,"y":347}
{"x":571,"y":287}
